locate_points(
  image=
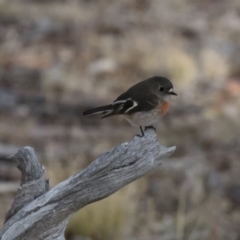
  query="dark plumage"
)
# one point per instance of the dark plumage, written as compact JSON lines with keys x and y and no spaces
{"x":142,"y":98}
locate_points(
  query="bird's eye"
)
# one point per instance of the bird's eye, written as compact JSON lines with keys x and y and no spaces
{"x":161,"y":89}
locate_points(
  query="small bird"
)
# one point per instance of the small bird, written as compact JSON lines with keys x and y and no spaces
{"x":143,"y":105}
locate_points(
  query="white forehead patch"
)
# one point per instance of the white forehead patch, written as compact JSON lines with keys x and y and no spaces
{"x":170,"y":90}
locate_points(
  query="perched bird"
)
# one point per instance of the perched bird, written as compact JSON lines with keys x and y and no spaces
{"x":143,"y":105}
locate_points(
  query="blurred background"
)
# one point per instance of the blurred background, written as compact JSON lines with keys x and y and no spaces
{"x":58,"y":58}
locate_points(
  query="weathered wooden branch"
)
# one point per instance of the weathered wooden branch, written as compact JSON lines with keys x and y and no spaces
{"x":33,"y":183}
{"x":41,"y":214}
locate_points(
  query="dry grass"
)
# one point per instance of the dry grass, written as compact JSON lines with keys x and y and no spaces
{"x":108,"y":46}
{"x":108,"y":219}
{"x":214,"y":65}
{"x":181,"y":67}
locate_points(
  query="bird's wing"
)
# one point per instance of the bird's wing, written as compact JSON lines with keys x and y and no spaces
{"x":128,"y":103}
{"x":119,"y":107}
{"x":136,"y":99}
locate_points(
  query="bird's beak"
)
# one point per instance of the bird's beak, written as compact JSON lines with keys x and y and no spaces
{"x":172,"y":93}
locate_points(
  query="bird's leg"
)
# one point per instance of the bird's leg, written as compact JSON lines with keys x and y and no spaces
{"x":141,"y":132}
{"x":150,"y":127}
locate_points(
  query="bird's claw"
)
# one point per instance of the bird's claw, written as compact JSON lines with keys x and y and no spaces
{"x":150,"y":127}
{"x":138,"y":135}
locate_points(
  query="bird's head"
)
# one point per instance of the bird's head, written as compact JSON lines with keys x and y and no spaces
{"x":163,"y":88}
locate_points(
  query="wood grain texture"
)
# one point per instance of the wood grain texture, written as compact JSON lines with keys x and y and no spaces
{"x":33,"y":183}
{"x":46,"y":216}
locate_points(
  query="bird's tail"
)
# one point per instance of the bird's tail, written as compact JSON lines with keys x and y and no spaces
{"x":103,"y":109}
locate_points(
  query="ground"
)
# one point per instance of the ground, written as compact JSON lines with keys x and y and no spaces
{"x":58,"y":58}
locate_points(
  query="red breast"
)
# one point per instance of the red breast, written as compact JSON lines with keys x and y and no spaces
{"x":164,"y":108}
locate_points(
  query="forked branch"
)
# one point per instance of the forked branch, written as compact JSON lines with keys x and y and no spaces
{"x":41,"y":214}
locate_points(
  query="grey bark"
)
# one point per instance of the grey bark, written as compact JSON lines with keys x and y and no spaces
{"x":41,"y":214}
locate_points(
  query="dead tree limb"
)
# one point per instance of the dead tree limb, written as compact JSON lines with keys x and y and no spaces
{"x":41,"y":214}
